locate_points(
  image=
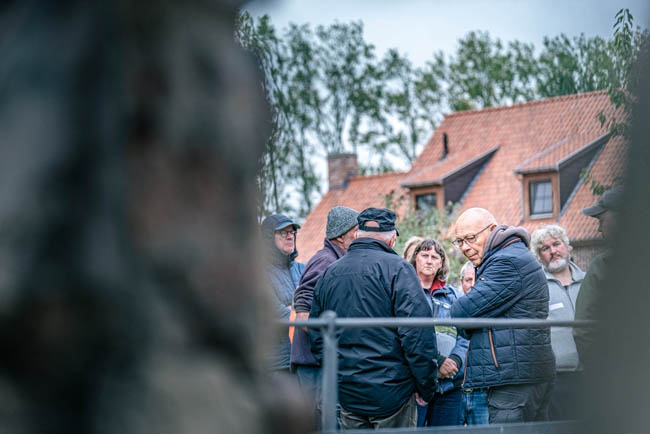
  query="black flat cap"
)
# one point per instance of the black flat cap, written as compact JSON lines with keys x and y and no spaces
{"x":383,"y":216}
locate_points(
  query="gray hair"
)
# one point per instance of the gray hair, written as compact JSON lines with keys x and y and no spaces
{"x":382,"y":236}
{"x":466,"y":266}
{"x":555,"y":231}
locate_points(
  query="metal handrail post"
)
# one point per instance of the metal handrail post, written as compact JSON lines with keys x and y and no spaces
{"x":330,"y":368}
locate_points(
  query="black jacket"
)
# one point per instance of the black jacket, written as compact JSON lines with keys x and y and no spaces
{"x":510,"y":283}
{"x":379,"y":368}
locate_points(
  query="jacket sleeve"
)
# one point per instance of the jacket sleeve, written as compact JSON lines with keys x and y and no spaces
{"x":304,"y":294}
{"x":315,"y":334}
{"x":460,"y":349}
{"x":418,"y":344}
{"x":495,"y":291}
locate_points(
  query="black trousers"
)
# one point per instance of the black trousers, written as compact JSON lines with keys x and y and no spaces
{"x":519,"y":402}
{"x":567,"y":396}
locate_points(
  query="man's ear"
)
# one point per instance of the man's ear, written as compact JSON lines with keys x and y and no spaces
{"x":391,"y":243}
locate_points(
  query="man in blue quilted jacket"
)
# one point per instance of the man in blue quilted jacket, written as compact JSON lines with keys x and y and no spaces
{"x":516,"y":366}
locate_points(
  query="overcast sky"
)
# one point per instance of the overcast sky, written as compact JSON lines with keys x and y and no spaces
{"x":422,"y":27}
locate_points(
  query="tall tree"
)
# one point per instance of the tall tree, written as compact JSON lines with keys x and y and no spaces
{"x":484,"y":73}
{"x":262,"y":41}
{"x":410,"y":105}
{"x":301,"y":97}
{"x":348,"y":82}
{"x":567,"y":66}
{"x":625,"y":50}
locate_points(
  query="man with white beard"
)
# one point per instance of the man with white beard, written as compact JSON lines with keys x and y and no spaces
{"x":551,"y":246}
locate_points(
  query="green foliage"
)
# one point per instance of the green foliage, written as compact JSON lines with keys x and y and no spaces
{"x":596,"y":187}
{"x":409,"y":105}
{"x":573,"y":66}
{"x":328,"y":93}
{"x":624,"y":50}
{"x":623,"y":53}
{"x":431,"y":224}
{"x":484,"y":73}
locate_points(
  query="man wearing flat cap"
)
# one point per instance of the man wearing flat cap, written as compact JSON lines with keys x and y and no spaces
{"x":283,"y":274}
{"x":605,"y":210}
{"x":340,"y":232}
{"x":380,"y":369}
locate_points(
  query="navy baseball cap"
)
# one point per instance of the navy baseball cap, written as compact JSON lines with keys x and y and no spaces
{"x":276,"y":222}
{"x":383,"y":216}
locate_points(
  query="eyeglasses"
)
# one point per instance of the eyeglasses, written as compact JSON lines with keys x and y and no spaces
{"x":469,"y":239}
{"x":285,"y":234}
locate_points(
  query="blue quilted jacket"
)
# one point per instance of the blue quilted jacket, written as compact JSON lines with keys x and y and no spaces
{"x":510,"y":283}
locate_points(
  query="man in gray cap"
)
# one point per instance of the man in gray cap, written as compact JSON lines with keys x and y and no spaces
{"x":341,"y":231}
{"x":380,"y":369}
{"x":605,"y":210}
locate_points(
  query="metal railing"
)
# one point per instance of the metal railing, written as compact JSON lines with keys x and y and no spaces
{"x":329,"y":323}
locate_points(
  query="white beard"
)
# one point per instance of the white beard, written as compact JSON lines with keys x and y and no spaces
{"x":557,"y":265}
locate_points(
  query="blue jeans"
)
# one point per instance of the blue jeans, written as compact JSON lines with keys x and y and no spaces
{"x":443,"y":410}
{"x":474,"y":407}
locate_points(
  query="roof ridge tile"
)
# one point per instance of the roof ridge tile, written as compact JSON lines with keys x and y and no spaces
{"x":518,"y":105}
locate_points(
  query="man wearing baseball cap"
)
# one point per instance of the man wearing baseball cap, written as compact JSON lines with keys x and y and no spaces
{"x":340,"y":233}
{"x":283,"y":274}
{"x":605,"y":210}
{"x":380,"y":369}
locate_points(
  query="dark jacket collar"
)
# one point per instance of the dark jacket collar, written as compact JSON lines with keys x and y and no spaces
{"x":370,"y":243}
{"x":503,"y":235}
{"x":338,"y":252}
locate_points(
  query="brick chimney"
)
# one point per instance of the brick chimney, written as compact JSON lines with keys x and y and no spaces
{"x":340,"y":168}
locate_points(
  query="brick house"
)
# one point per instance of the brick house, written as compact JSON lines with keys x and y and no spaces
{"x":521,"y":162}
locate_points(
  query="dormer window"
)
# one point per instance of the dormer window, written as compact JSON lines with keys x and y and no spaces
{"x":426,"y":198}
{"x":425,"y":202}
{"x":541,"y":198}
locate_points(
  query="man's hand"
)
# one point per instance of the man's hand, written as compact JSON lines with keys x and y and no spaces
{"x":421,"y":402}
{"x":448,"y":369}
{"x":302,"y":316}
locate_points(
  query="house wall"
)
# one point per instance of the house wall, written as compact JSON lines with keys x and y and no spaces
{"x":584,"y":252}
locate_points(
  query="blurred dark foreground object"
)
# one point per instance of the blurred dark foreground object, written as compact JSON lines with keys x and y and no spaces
{"x":617,"y":367}
{"x":130,"y":299}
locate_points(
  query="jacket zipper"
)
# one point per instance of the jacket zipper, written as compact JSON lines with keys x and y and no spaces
{"x":494,"y":357}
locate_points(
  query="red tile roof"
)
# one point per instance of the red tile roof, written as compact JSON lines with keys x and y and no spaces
{"x":529,"y":137}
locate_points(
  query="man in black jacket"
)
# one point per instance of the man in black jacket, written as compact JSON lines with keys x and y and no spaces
{"x":380,"y":369}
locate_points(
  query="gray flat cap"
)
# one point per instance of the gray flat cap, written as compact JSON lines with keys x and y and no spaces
{"x":340,"y":219}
